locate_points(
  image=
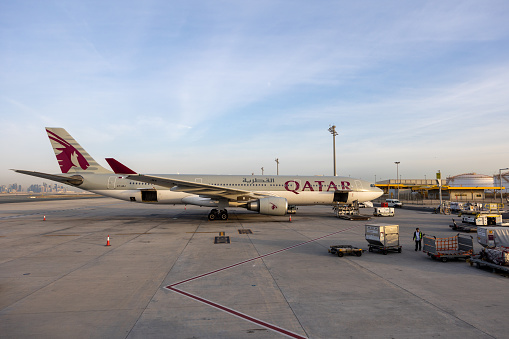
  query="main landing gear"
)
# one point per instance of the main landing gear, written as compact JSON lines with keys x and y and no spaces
{"x":216,"y":214}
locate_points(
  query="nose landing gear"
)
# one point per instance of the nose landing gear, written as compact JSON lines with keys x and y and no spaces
{"x":216,"y":214}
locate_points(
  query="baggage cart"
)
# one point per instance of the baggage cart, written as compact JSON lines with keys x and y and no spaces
{"x":463,"y":227}
{"x":444,"y":249}
{"x":383,"y":237}
{"x":341,"y":250}
{"x":480,"y":263}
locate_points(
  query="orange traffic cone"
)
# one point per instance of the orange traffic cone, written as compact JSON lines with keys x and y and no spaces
{"x":290,"y":218}
{"x":44,"y":218}
{"x":108,"y":242}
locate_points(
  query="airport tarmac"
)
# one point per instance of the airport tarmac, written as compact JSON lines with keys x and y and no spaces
{"x":24,"y":197}
{"x":164,"y":277}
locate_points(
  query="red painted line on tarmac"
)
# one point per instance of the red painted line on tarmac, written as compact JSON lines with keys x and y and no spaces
{"x":255,"y":258}
{"x":239,"y":314}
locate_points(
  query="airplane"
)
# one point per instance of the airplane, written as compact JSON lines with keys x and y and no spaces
{"x":267,"y":194}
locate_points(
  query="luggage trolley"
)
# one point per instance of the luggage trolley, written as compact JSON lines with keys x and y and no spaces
{"x":480,"y":262}
{"x":459,"y":246}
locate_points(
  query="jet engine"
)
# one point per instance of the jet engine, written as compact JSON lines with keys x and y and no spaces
{"x":269,"y":205}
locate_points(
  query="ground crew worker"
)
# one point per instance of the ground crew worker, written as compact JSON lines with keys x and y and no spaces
{"x":454,"y":226}
{"x":418,"y":238}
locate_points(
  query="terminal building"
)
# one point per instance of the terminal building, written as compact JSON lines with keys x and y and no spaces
{"x":463,"y":187}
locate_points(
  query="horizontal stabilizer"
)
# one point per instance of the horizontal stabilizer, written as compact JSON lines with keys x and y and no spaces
{"x":118,"y":167}
{"x":74,"y":180}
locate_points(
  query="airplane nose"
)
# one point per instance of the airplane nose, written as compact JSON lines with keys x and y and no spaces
{"x":377,"y":192}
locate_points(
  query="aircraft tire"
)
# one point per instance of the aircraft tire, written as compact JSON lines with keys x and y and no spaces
{"x":212,"y":216}
{"x":223,"y":215}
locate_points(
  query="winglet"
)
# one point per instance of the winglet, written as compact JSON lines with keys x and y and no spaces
{"x":118,"y":167}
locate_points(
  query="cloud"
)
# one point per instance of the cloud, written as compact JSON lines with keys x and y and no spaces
{"x":185,"y":81}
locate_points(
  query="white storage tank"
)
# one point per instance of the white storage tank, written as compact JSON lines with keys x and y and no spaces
{"x":470,"y":180}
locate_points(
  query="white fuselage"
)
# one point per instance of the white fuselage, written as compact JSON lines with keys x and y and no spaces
{"x":297,"y":190}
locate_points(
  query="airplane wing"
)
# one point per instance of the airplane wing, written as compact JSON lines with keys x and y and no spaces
{"x":204,"y":190}
{"x":72,"y":180}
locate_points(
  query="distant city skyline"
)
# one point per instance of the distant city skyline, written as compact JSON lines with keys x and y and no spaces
{"x":45,"y":187}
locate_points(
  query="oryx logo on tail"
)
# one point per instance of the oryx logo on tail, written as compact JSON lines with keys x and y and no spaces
{"x":69,"y":156}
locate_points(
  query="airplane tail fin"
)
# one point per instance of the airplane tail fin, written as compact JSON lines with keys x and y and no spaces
{"x":70,"y":155}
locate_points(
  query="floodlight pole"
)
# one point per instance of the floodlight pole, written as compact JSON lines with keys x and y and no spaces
{"x":397,"y":174}
{"x":277,"y":162}
{"x":500,"y":178}
{"x":439,"y":177}
{"x":332,"y":130}
{"x":262,"y":170}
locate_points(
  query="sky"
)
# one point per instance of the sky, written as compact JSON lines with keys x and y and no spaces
{"x":226,"y":87}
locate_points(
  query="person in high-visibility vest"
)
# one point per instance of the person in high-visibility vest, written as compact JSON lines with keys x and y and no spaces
{"x":418,"y":239}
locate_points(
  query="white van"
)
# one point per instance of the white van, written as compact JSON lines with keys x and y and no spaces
{"x":394,"y":203}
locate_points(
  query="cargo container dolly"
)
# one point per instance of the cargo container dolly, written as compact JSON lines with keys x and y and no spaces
{"x":384,"y":249}
{"x":463,"y":227}
{"x":481,"y":263}
{"x":341,"y":250}
{"x":383,"y":237}
{"x":495,"y":248}
{"x":445,"y":249}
